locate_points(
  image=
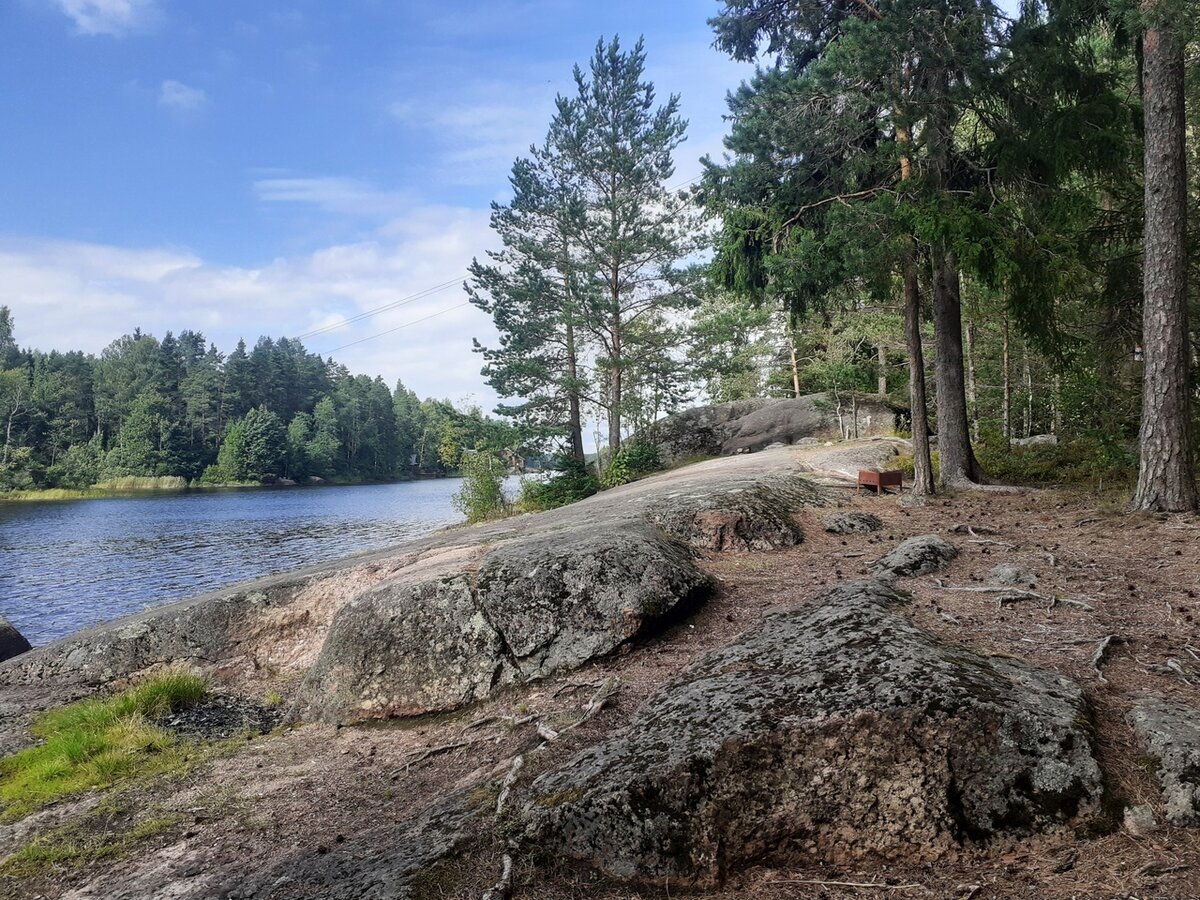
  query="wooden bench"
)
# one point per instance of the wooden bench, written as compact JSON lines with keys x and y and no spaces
{"x":869,"y":478}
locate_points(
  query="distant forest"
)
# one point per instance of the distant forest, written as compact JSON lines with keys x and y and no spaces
{"x":178,"y":407}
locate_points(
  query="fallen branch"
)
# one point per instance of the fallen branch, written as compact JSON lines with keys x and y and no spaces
{"x":503,"y":887}
{"x":1101,"y":651}
{"x":973,"y":530}
{"x":509,"y":780}
{"x":850,"y":884}
{"x":1013,"y":595}
{"x":434,"y":751}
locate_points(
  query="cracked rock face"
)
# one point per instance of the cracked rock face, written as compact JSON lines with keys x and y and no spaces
{"x":831,"y":733}
{"x":537,"y":606}
{"x":1170,"y":731}
{"x":916,"y":556}
{"x":852,"y":523}
{"x":12,"y":642}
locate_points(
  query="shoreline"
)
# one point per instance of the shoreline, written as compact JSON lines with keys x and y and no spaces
{"x":53,"y":495}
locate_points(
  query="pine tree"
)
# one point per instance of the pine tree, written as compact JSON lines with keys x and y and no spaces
{"x":534,"y":292}
{"x":617,"y":146}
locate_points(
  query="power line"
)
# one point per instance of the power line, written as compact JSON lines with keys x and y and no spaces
{"x":372,"y":337}
{"x":395,"y":304}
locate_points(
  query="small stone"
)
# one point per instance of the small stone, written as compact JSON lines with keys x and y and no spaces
{"x":851,"y":523}
{"x":1011,"y":573}
{"x":1140,"y":820}
{"x":916,"y":556}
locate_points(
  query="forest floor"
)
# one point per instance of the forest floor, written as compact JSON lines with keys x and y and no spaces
{"x":1127,"y":583}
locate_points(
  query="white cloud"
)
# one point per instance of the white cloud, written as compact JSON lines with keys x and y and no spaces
{"x":482,"y":128}
{"x":177,"y":96}
{"x":339,"y":195}
{"x":111,"y":17}
{"x":72,"y":295}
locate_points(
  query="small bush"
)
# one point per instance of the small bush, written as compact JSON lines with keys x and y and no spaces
{"x":481,"y":496}
{"x":633,"y":461}
{"x":571,"y":483}
{"x":93,"y":743}
{"x":1081,"y":460}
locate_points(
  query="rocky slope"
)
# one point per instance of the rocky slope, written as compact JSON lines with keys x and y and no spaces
{"x":689,"y":682}
{"x":750,"y":425}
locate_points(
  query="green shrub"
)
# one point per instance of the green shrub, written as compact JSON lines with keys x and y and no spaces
{"x":631,"y":462}
{"x":571,"y":483}
{"x":481,"y":496}
{"x":1081,"y":460}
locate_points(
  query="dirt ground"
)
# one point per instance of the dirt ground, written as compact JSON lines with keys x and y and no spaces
{"x":1101,"y":575}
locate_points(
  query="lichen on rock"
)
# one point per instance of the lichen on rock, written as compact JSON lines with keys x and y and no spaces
{"x":1170,"y":732}
{"x":831,"y":733}
{"x":919,"y":555}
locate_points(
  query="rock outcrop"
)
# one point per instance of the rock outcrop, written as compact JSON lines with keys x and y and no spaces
{"x":831,"y":733}
{"x":919,"y":555}
{"x":853,"y":522}
{"x":747,"y":516}
{"x":753,"y":425}
{"x":534,"y":607}
{"x":12,"y":642}
{"x":1170,"y":733}
{"x":447,"y":620}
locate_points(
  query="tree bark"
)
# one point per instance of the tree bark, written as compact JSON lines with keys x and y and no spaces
{"x":575,"y":419}
{"x":922,"y":465}
{"x":1166,"y":481}
{"x":882,"y":357}
{"x":614,"y":389}
{"x":1006,"y":397}
{"x":972,"y":389}
{"x":1027,"y":376}
{"x":791,"y":336}
{"x":958,"y":465}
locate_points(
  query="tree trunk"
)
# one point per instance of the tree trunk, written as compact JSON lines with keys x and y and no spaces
{"x":1056,"y":417}
{"x":1006,"y":397}
{"x":575,"y":419}
{"x":1027,"y":375}
{"x":958,"y":465}
{"x":614,"y":390}
{"x":1166,"y":481}
{"x":791,"y":336}
{"x":882,"y":356}
{"x":972,"y":391}
{"x":922,"y":465}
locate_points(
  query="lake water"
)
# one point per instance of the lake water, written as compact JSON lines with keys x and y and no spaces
{"x":66,"y":565}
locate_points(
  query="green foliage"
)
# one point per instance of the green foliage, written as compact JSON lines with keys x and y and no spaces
{"x":94,"y":743}
{"x":1080,"y":461}
{"x":631,"y":462}
{"x":573,"y":481}
{"x":147,"y":409}
{"x":481,"y":496}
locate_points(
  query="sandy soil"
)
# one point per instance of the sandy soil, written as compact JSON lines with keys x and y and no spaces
{"x":1133,"y":579}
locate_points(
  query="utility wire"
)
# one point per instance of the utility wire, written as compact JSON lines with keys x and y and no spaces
{"x":372,"y":337}
{"x":395,"y":304}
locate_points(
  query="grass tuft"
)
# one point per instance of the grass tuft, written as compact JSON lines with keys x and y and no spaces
{"x":95,"y":743}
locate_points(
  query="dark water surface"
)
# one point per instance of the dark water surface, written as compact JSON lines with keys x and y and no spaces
{"x":65,"y":565}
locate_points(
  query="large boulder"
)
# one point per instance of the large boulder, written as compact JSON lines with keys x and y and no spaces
{"x":536,"y":606}
{"x":753,"y":425}
{"x":1170,"y":732}
{"x":831,"y":733}
{"x":12,"y":642}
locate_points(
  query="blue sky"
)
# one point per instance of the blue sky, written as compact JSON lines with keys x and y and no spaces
{"x":275,"y":167}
